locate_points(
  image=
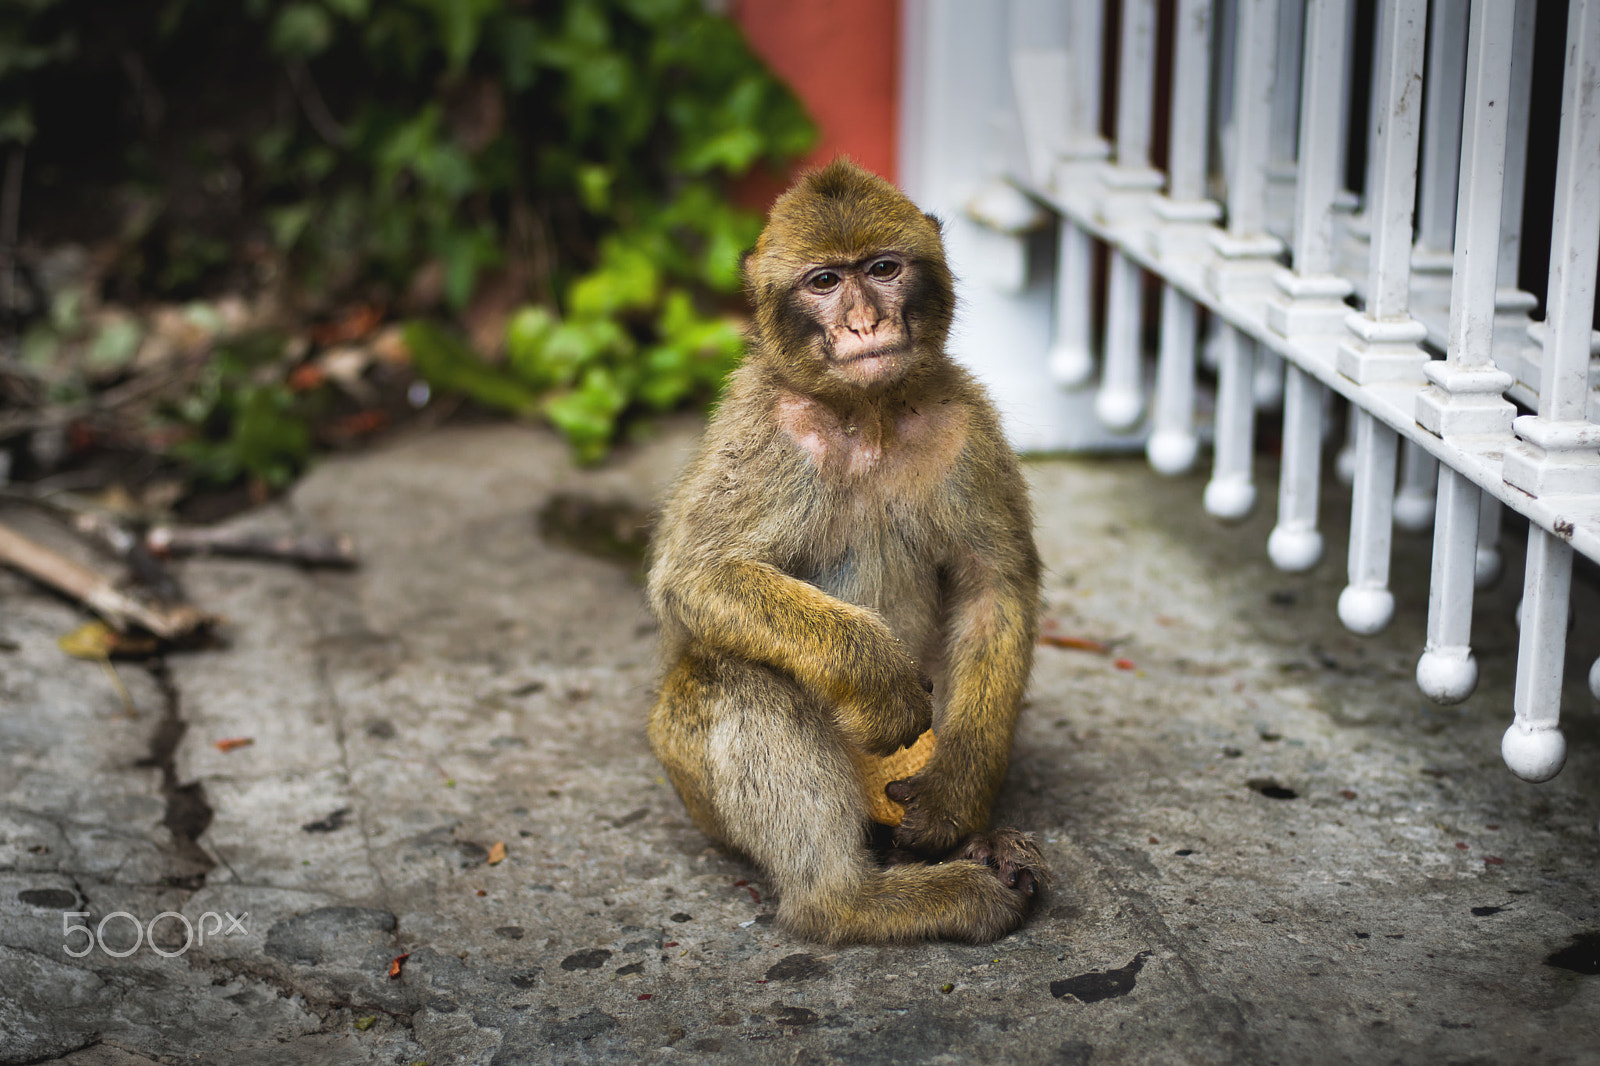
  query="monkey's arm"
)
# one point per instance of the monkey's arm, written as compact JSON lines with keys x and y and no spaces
{"x":843,"y":653}
{"x":994,"y":607}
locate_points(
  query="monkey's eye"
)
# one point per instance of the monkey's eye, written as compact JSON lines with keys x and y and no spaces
{"x":883,"y":269}
{"x":826,"y":281}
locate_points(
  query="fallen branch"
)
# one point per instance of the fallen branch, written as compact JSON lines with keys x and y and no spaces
{"x":307,"y":550}
{"x":106,"y":531}
{"x":96,"y":591}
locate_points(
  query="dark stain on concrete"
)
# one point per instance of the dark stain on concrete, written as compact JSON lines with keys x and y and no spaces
{"x":1101,"y":984}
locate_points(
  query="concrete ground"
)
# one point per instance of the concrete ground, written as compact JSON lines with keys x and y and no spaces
{"x":1269,"y":847}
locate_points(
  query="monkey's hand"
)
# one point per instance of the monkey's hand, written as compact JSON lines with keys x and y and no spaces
{"x":933,"y":821}
{"x":884,"y":722}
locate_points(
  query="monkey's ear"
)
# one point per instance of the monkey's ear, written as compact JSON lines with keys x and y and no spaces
{"x":938,"y":225}
{"x":744,"y":267}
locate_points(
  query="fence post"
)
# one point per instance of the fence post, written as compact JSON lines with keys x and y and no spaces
{"x":1185,"y":217}
{"x":1287,"y":93}
{"x":1558,"y":450}
{"x":1414,"y":499}
{"x":1071,"y":358}
{"x":1513,"y":306}
{"x":1312,"y":296}
{"x":1463,"y":399}
{"x":1126,"y":190}
{"x":1382,"y":346}
{"x":1245,"y":256}
{"x":1441,"y":151}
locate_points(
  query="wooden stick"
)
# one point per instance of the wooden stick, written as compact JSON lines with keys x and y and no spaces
{"x":95,"y":590}
{"x":307,"y":550}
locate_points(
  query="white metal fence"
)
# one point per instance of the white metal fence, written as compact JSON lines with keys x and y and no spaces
{"x":1402,"y":299}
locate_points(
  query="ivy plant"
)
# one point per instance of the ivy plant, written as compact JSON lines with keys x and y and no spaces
{"x":417,"y":154}
{"x":609,"y":126}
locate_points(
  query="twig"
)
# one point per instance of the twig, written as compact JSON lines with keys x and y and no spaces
{"x":1099,"y":647}
{"x":95,"y":590}
{"x":307,"y":550}
{"x":110,"y":668}
{"x":10,"y":213}
{"x":107,"y":532}
{"x":312,"y":103}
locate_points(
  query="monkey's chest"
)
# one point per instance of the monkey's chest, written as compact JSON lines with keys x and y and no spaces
{"x":875,"y":559}
{"x":899,"y":451}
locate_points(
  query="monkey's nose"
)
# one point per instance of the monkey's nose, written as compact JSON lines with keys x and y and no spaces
{"x":855,"y":339}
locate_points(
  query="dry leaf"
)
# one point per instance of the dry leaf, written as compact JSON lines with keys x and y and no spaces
{"x":397,"y":964}
{"x":1056,"y":640}
{"x":98,"y":641}
{"x":360,"y":424}
{"x":353,"y":323}
{"x":390,"y":345}
{"x":497,"y":854}
{"x":227,"y":744}
{"x":92,"y":640}
{"x":306,"y":377}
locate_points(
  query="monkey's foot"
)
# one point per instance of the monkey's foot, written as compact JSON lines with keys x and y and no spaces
{"x":1013,"y":856}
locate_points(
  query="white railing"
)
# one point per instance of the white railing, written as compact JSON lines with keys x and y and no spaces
{"x":1313,"y":290}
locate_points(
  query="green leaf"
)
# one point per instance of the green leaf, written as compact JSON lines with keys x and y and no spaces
{"x":272,"y":145}
{"x":587,"y":416}
{"x":720,"y":264}
{"x":732,"y":150}
{"x":301,"y":31}
{"x":40,"y":347}
{"x":659,"y":13}
{"x":527,"y":347}
{"x":627,"y":280}
{"x":354,"y":10}
{"x":268,"y":440}
{"x":667,"y":379}
{"x":602,"y":78}
{"x":16,"y":124}
{"x":449,"y":364}
{"x":578,"y":342}
{"x":594,"y":187}
{"x":586,"y":25}
{"x":465,"y":254}
{"x":248,"y":429}
{"x":288,"y":223}
{"x":115,"y":344}
{"x":460,"y":24}
{"x":518,"y":41}
{"x":528,"y":330}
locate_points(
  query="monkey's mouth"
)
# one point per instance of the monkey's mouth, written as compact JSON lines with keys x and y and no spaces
{"x":851,"y":358}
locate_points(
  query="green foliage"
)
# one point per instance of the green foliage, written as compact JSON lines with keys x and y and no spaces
{"x":643,"y":108}
{"x":28,"y":42}
{"x":402,"y":148}
{"x":450,"y":364}
{"x":243,"y":423}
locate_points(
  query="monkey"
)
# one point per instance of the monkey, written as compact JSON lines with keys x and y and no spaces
{"x":847,"y":562}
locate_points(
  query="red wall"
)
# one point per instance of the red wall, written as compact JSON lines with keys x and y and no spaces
{"x":841,"y":57}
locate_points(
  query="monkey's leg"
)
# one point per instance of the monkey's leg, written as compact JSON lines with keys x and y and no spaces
{"x":761,"y":765}
{"x":989,"y":655}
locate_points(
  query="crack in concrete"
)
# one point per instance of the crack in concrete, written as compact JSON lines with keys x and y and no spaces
{"x":188,"y":811}
{"x":266,"y":975}
{"x":1147,"y":912}
{"x":325,"y":683}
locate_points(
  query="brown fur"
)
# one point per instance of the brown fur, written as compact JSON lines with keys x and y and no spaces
{"x":847,"y":531}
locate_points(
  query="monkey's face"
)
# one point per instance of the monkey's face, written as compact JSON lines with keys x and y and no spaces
{"x":858,"y":308}
{"x":850,"y":284}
